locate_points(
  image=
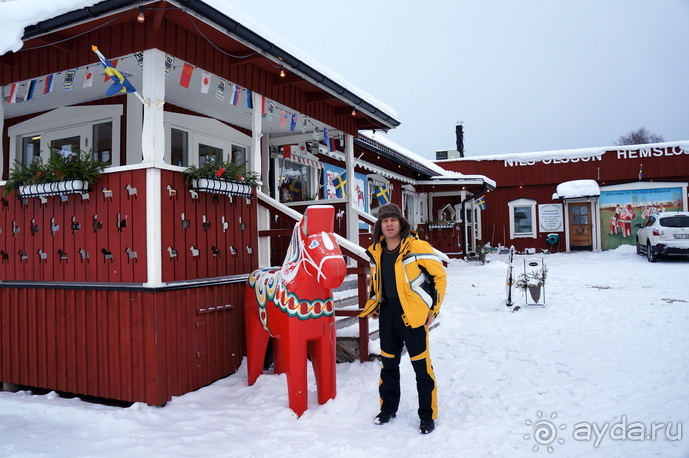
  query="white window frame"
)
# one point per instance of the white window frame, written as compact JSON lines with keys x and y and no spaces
{"x":534,"y":226}
{"x":207,"y":131}
{"x":82,"y":131}
{"x":61,"y":122}
{"x":314,"y":188}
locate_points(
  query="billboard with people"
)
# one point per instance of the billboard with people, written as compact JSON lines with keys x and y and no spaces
{"x":622,"y":209}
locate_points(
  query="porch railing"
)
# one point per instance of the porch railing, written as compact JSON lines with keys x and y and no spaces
{"x":354,"y":251}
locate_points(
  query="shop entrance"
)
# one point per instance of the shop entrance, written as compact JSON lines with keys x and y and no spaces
{"x":580,"y":226}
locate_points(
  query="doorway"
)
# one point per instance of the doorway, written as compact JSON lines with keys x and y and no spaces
{"x":580,"y":226}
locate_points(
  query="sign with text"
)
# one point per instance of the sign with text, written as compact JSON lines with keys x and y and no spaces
{"x":550,"y":218}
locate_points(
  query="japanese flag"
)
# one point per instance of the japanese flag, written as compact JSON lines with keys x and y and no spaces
{"x":205,"y":82}
{"x":88,"y":79}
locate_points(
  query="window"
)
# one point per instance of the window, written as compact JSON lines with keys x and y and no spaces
{"x":296,"y":181}
{"x":238,"y":154}
{"x":179,"y":147}
{"x":102,"y":142}
{"x":208,"y":152}
{"x":30,"y":148}
{"x":193,"y":140}
{"x":94,"y":129}
{"x":522,"y":218}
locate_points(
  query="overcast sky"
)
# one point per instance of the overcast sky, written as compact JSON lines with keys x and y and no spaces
{"x":523,"y":76}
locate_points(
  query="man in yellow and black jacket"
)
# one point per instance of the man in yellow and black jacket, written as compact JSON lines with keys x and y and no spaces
{"x":407,"y":289}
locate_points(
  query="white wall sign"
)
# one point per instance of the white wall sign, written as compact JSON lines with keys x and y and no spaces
{"x":550,"y":218}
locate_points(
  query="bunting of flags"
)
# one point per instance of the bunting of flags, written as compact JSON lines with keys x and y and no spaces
{"x":383,"y":194}
{"x":481,"y":203}
{"x":29,"y":90}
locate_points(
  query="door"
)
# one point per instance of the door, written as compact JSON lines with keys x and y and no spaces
{"x":580,"y":227}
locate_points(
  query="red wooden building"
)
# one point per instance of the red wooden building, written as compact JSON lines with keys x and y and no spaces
{"x":134,"y":289}
{"x":575,"y":194}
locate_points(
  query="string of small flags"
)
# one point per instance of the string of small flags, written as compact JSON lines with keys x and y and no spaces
{"x":31,"y":89}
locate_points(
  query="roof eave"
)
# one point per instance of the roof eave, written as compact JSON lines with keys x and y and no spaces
{"x":232,"y":27}
{"x":395,"y":156}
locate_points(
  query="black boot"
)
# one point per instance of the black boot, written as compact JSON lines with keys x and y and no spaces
{"x":383,"y":418}
{"x":426,"y":426}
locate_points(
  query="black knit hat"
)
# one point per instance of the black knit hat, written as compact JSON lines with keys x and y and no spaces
{"x":391,"y":211}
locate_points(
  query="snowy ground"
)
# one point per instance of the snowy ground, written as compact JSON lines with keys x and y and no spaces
{"x":602,"y":371}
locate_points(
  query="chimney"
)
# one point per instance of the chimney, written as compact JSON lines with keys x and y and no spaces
{"x":459,"y":132}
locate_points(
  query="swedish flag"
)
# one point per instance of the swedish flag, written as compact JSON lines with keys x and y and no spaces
{"x":119,"y":82}
{"x":340,"y":181}
{"x":383,"y":194}
{"x":481,"y":203}
{"x":294,"y":187}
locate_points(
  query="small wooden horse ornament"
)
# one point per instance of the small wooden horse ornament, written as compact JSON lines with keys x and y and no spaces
{"x":294,"y":305}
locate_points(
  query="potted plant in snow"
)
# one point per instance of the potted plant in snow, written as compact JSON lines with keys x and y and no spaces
{"x":533,"y":282}
{"x":222,"y":177}
{"x":61,"y":174}
{"x":481,"y":251}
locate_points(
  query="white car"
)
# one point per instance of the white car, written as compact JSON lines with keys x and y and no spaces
{"x":664,"y":233}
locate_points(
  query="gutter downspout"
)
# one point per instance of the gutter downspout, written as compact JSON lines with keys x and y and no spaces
{"x":483,"y":190}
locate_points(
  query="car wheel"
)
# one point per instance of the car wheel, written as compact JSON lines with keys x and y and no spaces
{"x":638,"y":247}
{"x":650,"y":255}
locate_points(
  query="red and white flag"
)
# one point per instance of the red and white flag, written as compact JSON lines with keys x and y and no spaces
{"x":185,"y":78}
{"x":88,"y":78}
{"x":48,"y":84}
{"x":13,"y":93}
{"x":205,"y":82}
{"x":234,"y":98}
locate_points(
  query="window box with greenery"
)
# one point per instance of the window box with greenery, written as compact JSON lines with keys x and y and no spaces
{"x":441,"y":224}
{"x":61,"y":174}
{"x":222,"y":177}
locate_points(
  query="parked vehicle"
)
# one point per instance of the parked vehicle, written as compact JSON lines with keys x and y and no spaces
{"x":665,"y":233}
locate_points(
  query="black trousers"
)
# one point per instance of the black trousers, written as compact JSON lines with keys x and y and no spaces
{"x":394,"y":335}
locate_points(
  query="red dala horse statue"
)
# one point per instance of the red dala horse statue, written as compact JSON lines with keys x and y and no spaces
{"x":294,"y":305}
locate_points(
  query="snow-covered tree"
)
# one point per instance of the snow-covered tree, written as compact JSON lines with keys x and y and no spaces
{"x":639,"y":136}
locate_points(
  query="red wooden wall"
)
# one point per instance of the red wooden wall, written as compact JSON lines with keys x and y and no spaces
{"x":88,"y":325}
{"x":131,"y":345}
{"x":223,"y":230}
{"x":538,"y":180}
{"x":109,"y":221}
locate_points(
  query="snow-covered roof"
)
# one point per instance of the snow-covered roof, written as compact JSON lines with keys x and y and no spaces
{"x":440,"y":173}
{"x":381,"y":138}
{"x":15,"y":16}
{"x":565,"y":153}
{"x":577,"y":188}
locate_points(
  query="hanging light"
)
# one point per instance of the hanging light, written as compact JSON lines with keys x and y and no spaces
{"x":282,"y":71}
{"x":141,"y":18}
{"x":353,"y":111}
